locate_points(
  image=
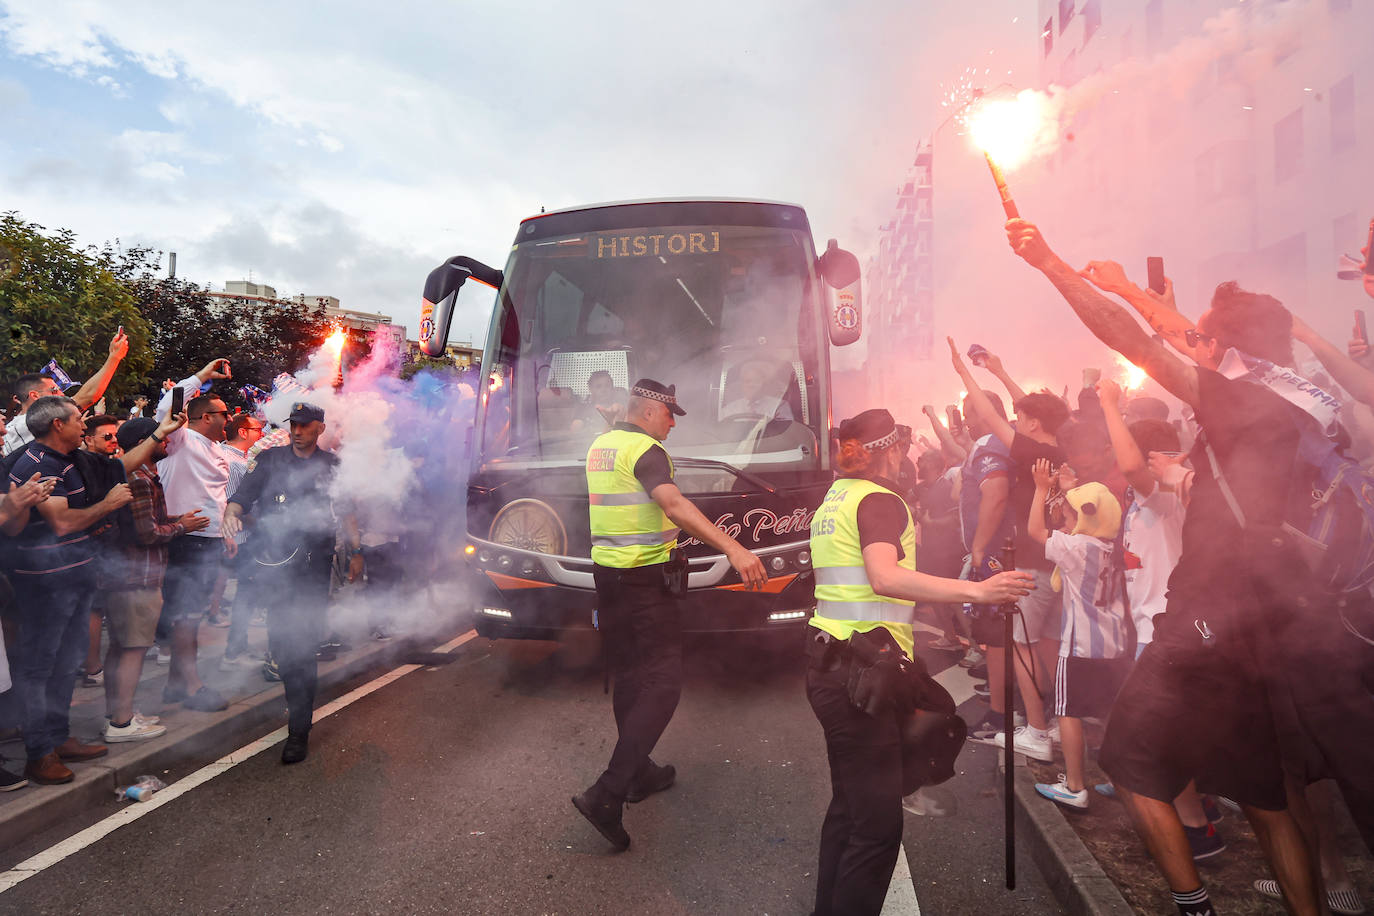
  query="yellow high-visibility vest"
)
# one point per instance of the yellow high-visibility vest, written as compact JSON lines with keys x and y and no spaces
{"x":628,"y":527}
{"x":845,"y":601}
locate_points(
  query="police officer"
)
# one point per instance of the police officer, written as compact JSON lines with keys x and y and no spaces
{"x":862,"y":682}
{"x":293,"y":545}
{"x":636,"y":513}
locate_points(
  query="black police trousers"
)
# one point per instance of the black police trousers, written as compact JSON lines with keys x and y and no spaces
{"x":862,"y":832}
{"x":641,"y":631}
{"x":296,"y":594}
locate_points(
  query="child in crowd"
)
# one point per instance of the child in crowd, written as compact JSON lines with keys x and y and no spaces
{"x":1094,"y":637}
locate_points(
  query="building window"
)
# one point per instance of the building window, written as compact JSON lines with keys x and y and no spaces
{"x":1343,"y":114}
{"x":1048,"y":35}
{"x":1065,"y":14}
{"x":1092,"y":19}
{"x":1288,"y":146}
{"x":1154,"y":26}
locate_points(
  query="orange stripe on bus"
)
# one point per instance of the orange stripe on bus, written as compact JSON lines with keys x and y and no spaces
{"x":512,"y":582}
{"x":772,"y":586}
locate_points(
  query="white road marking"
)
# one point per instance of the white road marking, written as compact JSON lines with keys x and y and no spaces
{"x":901,"y":892}
{"x":135,"y":810}
{"x":957,"y":681}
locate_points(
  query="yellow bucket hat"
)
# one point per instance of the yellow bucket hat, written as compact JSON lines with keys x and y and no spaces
{"x":1099,"y":516}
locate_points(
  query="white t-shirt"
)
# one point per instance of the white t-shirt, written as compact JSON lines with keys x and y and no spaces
{"x":1094,"y":613}
{"x":1152,"y":533}
{"x":195,"y":475}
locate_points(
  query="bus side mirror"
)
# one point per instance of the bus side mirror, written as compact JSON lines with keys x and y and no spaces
{"x":441,"y":292}
{"x":840,"y":270}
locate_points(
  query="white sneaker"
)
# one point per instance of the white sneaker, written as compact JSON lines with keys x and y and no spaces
{"x":164,"y":659}
{"x":134,"y":731}
{"x":1023,"y":742}
{"x":972,"y":658}
{"x":929,"y":803}
{"x":1053,"y":731}
{"x":1061,"y":793}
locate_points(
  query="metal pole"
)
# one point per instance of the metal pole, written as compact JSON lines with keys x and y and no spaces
{"x":1008,"y":713}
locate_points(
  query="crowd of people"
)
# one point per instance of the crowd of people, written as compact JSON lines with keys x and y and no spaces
{"x":123,"y":531}
{"x":1184,"y":598}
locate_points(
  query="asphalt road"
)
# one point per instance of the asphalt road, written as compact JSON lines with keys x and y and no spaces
{"x":448,"y":791}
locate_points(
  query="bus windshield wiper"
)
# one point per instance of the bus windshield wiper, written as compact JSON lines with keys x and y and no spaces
{"x":726,"y":466}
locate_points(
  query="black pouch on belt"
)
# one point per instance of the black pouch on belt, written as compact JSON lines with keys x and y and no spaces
{"x":675,"y":572}
{"x":881,"y":678}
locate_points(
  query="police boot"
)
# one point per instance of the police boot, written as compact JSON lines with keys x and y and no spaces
{"x":653,"y":778}
{"x":603,"y":810}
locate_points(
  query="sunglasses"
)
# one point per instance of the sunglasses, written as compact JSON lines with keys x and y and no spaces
{"x":1192,"y":338}
{"x":211,"y":413}
{"x":103,"y":437}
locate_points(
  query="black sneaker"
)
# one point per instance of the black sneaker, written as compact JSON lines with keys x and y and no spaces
{"x":326,"y":653}
{"x":653,"y":778}
{"x":270,"y":671}
{"x":10,"y":782}
{"x":981,"y":688}
{"x":1204,"y":842}
{"x":986,"y":729}
{"x":979,"y":672}
{"x":296,"y":748}
{"x":1213,"y":811}
{"x":603,"y":811}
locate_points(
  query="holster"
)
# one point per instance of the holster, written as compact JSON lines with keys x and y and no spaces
{"x":675,"y":572}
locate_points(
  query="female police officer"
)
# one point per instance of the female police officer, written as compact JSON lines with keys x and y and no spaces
{"x":862,"y":682}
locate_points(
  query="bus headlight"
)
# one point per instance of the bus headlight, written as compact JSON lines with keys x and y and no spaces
{"x":529,"y":524}
{"x":778,"y":564}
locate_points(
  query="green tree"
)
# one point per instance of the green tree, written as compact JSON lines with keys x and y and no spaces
{"x":61,"y":302}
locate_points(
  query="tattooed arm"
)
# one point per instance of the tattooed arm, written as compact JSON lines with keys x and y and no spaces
{"x":1109,"y":322}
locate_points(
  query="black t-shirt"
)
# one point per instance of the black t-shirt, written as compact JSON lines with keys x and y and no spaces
{"x":1255,"y":435}
{"x":653,"y":467}
{"x":882,"y":518}
{"x":289,"y":499}
{"x":1025,"y":451}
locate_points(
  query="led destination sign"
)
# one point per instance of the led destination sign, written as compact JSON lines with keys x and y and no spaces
{"x":657,"y":244}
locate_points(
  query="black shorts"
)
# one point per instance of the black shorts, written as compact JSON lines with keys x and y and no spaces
{"x":1086,"y":687}
{"x":1195,"y":713}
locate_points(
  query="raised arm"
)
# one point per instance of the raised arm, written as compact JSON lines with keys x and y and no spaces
{"x":1128,"y":455}
{"x":1159,"y":310}
{"x":1109,"y":322}
{"x":143,"y":452}
{"x":993,"y":363}
{"x":95,"y":386}
{"x":215,"y":369}
{"x":978,"y":399}
{"x":1349,"y":374}
{"x":947,"y":441}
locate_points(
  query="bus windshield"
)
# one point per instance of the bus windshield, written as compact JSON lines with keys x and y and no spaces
{"x":726,"y":312}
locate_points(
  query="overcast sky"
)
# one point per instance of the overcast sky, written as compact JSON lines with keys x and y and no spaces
{"x":330,"y":149}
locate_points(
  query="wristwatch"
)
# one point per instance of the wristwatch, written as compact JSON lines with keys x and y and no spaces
{"x":355,"y":551}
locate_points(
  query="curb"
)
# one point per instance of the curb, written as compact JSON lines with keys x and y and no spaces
{"x":208,"y":736}
{"x":1073,"y":875}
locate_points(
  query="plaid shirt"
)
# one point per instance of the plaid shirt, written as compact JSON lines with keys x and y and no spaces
{"x":143,"y":564}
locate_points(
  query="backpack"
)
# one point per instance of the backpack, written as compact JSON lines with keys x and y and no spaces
{"x":1335,"y":540}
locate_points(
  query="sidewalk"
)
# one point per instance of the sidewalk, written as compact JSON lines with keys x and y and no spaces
{"x":255,"y":707}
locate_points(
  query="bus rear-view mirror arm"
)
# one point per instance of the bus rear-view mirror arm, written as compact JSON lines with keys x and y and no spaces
{"x":441,"y":292}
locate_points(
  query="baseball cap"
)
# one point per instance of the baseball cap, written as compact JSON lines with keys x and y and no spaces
{"x":134,"y":431}
{"x":301,"y":412}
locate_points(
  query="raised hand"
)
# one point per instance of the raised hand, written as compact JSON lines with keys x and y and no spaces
{"x":1108,"y":276}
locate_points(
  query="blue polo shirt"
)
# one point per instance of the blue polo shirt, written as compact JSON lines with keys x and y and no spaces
{"x":38,"y":552}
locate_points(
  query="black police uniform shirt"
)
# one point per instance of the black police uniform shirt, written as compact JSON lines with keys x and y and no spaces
{"x":882,"y":517}
{"x":288,"y":497}
{"x":653,"y":467}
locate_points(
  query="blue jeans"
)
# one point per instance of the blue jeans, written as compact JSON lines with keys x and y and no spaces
{"x":53,"y":639}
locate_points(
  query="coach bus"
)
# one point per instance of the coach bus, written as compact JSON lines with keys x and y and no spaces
{"x":727,"y":300}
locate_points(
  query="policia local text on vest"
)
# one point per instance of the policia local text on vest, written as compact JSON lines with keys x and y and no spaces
{"x":636,"y":512}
